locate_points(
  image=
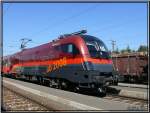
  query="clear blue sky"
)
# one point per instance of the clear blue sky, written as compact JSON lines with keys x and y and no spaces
{"x":126,"y":23}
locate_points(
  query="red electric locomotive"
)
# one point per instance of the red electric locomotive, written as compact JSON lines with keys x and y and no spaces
{"x":76,"y":61}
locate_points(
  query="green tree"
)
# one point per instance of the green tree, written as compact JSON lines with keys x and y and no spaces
{"x":117,"y":50}
{"x":142,"y":48}
{"x":133,"y":51}
{"x":128,"y":49}
{"x":123,"y":50}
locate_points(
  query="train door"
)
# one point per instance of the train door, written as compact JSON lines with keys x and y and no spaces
{"x":68,"y":55}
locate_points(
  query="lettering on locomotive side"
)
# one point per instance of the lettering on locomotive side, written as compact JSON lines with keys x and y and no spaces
{"x":57,"y":64}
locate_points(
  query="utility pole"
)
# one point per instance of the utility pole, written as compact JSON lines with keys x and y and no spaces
{"x":113,"y":42}
{"x":24,"y":41}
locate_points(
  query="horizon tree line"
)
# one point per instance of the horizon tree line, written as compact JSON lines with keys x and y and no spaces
{"x":141,"y":48}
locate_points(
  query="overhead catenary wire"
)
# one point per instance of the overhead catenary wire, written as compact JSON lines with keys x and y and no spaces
{"x":72,"y":17}
{"x":24,"y":41}
{"x":112,"y":27}
{"x":56,"y":24}
{"x":115,"y":26}
{"x":62,"y":21}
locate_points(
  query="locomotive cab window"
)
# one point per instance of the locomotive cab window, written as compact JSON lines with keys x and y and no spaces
{"x":96,"y":48}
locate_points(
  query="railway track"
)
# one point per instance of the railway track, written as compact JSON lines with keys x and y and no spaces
{"x":143,"y":86}
{"x":138,"y":104}
{"x":15,"y":102}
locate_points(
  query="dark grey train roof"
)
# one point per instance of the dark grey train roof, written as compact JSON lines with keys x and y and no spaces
{"x":90,"y":38}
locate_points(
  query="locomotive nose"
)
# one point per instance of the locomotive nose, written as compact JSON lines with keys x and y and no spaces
{"x":103,"y":77}
{"x":103,"y":68}
{"x":90,"y":66}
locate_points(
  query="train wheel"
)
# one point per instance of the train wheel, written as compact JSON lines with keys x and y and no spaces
{"x":59,"y":84}
{"x":50,"y":83}
{"x":116,"y":82}
{"x":13,"y":76}
{"x":76,"y":89}
{"x":64,"y":85}
{"x":101,"y":91}
{"x":132,"y":79}
{"x":29,"y":77}
{"x":41,"y":80}
{"x":38,"y":79}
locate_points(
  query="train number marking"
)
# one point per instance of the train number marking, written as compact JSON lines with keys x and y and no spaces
{"x":57,"y":64}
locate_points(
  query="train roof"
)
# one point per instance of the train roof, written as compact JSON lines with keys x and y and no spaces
{"x":65,"y":36}
{"x":89,"y":38}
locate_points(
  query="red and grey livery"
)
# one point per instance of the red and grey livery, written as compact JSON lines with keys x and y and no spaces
{"x":74,"y":60}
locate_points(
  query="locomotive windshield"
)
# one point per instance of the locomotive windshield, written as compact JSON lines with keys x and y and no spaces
{"x":96,"y":47}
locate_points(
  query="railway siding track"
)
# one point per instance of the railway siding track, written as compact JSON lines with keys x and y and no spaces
{"x":137,"y":93}
{"x":16,"y":102}
{"x":139,"y":103}
{"x":133,"y":85}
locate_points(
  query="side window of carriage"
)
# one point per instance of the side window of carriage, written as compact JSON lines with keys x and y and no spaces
{"x":70,"y":49}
